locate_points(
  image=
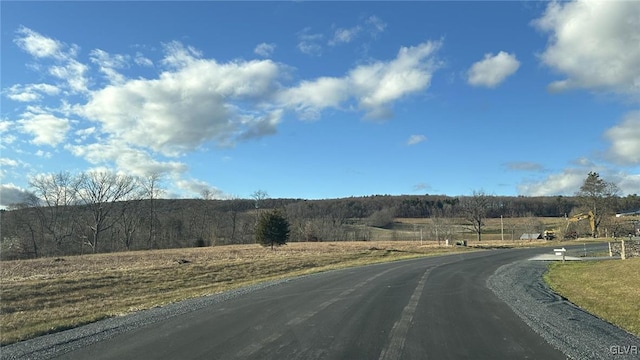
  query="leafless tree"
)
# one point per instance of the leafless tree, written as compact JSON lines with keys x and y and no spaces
{"x":151,"y":189}
{"x":474,"y":210}
{"x":53,"y":196}
{"x":258,"y":197}
{"x":100,"y":191}
{"x":130,"y":216}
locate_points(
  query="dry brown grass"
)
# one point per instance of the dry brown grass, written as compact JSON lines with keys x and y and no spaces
{"x":608,"y":289}
{"x":48,"y":295}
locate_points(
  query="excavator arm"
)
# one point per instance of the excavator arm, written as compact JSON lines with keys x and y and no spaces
{"x":582,"y":216}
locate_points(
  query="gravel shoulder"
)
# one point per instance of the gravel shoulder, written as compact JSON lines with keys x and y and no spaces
{"x":575,"y":332}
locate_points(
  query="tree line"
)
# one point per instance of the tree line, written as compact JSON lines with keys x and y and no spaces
{"x":66,"y":214}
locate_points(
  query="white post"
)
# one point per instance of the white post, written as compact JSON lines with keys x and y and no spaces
{"x":610,"y":252}
{"x":622,"y":252}
{"x":501,"y":228}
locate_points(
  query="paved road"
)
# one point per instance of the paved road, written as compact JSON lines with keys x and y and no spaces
{"x":430,"y":308}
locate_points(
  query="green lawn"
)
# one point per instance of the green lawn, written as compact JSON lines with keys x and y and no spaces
{"x":609,"y":289}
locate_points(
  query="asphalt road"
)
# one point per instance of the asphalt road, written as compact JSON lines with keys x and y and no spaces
{"x":429,"y":308}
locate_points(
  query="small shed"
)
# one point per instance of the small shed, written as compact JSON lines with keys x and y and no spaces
{"x":534,"y":236}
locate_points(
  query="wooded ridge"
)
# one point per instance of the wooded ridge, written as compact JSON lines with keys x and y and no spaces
{"x":36,"y":231}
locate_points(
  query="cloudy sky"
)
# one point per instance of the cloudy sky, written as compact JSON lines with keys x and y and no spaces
{"x":324,"y":99}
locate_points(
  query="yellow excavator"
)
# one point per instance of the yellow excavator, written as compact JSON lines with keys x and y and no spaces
{"x":579,"y":217}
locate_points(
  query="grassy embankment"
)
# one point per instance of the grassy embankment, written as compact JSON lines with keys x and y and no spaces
{"x":609,"y":289}
{"x":48,"y":295}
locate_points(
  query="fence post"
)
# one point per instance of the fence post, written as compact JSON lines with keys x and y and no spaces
{"x":622,"y":252}
{"x":610,"y":252}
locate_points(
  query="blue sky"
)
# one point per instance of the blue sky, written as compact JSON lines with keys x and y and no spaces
{"x":323,"y":99}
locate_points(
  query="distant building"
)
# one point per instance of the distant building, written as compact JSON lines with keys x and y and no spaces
{"x":630,"y":213}
{"x":535,"y":236}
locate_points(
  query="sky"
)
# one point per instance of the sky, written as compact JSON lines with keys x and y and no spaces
{"x":323,"y":99}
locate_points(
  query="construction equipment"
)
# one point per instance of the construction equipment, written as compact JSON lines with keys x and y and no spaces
{"x":549,"y":234}
{"x":582,"y":216}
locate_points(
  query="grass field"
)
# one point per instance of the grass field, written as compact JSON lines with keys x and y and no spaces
{"x":608,"y":289}
{"x":53,"y":294}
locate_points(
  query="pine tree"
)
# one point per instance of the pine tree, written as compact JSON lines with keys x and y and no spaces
{"x":272,"y":229}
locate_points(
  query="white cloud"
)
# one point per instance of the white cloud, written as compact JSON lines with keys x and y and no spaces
{"x":594,"y":44}
{"x":38,"y":45}
{"x":4,"y":126}
{"x":31,"y":92}
{"x":43,"y":154}
{"x":373,"y":86}
{"x":565,"y":183}
{"x":344,"y":35}
{"x":67,"y":68}
{"x":309,"y":98}
{"x":185,"y":108}
{"x":73,"y":73}
{"x":8,"y":162}
{"x":108,"y":63}
{"x":493,"y":69}
{"x":628,"y":183}
{"x":6,"y":140}
{"x":46,"y":128}
{"x":83,"y":134}
{"x":309,"y":44}
{"x":309,"y":48}
{"x":265,"y":49}
{"x":416,"y":139}
{"x":142,"y":60}
{"x":583,"y":161}
{"x":126,"y":158}
{"x":625,"y":140}
{"x":198,"y":187}
{"x":376,"y":24}
{"x":8,"y":165}
{"x":381,"y":83}
{"x":568,"y":182}
{"x":178,"y":56}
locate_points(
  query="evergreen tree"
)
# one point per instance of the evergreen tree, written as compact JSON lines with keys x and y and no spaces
{"x":272,"y":229}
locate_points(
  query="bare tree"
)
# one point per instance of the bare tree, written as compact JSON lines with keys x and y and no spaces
{"x":151,"y":190}
{"x":259,"y":196}
{"x":52,"y":197}
{"x":19,"y":233}
{"x":130,"y":216}
{"x":474,"y":209}
{"x":100,"y":191}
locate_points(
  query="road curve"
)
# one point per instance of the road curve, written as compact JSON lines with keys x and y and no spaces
{"x":428,"y":308}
